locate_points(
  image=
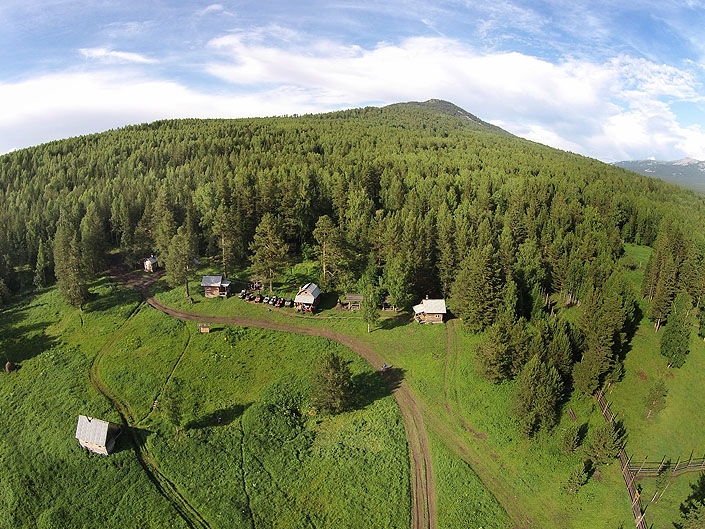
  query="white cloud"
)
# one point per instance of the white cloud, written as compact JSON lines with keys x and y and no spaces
{"x":617,"y":109}
{"x":112,"y":57}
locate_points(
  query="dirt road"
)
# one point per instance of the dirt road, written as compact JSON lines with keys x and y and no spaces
{"x":423,"y":491}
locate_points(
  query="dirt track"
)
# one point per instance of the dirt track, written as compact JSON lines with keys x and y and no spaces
{"x":423,"y":491}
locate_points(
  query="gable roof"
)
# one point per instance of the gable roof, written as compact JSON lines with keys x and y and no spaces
{"x":212,"y":281}
{"x":152,"y":260}
{"x":92,"y":430}
{"x":308,"y":293}
{"x":431,"y":306}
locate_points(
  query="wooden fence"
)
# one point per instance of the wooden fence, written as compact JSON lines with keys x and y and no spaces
{"x":651,"y":469}
{"x":624,"y":463}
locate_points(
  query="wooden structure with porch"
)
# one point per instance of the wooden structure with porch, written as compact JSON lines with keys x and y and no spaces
{"x":215,"y":286}
{"x":96,"y":435}
{"x":430,"y":311}
{"x":354,"y":301}
{"x":307,"y":298}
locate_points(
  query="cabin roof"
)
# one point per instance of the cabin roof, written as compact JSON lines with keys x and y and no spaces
{"x":308,"y":293}
{"x":212,"y":281}
{"x":431,"y":306}
{"x":91,"y":430}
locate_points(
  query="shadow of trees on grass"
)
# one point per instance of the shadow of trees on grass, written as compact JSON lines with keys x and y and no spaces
{"x":374,"y":385}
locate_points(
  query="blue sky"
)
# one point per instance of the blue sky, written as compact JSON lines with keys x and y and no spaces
{"x":610,"y":79}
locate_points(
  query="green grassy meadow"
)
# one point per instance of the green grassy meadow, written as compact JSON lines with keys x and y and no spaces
{"x":236,"y":458}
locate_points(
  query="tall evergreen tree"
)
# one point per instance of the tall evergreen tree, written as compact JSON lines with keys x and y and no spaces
{"x":675,"y":341}
{"x":536,"y":396}
{"x":370,"y":305}
{"x":68,"y":265}
{"x":93,"y":242}
{"x":476,"y":295}
{"x":332,"y":385}
{"x":40,"y":278}
{"x":268,"y":248}
{"x":179,"y":256}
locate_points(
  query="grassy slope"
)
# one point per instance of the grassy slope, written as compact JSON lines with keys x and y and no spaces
{"x":225,"y":470}
{"x":675,"y":432}
{"x":472,"y":418}
{"x":47,"y":480}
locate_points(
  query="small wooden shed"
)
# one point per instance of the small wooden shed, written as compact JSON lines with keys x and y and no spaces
{"x":307,"y":298}
{"x":354,"y":301}
{"x":96,"y":435}
{"x":430,"y":311}
{"x":214,"y":286}
{"x":204,"y":328}
{"x":150,"y":264}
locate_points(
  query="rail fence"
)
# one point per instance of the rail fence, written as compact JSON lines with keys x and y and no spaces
{"x":624,"y":463}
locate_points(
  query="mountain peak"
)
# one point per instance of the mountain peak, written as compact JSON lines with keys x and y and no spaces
{"x":450,"y":109}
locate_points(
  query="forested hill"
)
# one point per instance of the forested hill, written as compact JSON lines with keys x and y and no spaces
{"x":408,"y":194}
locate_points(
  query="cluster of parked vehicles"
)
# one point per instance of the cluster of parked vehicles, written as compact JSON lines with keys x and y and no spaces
{"x":257,"y":297}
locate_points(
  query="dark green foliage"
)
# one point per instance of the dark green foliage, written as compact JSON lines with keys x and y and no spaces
{"x":603,"y":443}
{"x":675,"y":340}
{"x":268,"y":248}
{"x":369,"y":307}
{"x":570,"y":441}
{"x":537,"y":396}
{"x":171,"y":404}
{"x":70,"y":274}
{"x":332,"y":385}
{"x":655,"y":399}
{"x":179,"y":257}
{"x":476,"y":294}
{"x":694,"y":517}
{"x":577,"y":478}
{"x":701,"y":323}
{"x":504,"y":349}
{"x":40,"y":268}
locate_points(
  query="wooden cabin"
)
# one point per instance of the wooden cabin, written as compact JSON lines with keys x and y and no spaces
{"x":387,"y":304}
{"x":307,"y":298}
{"x":430,"y":311}
{"x":204,"y":328}
{"x":354,"y":301}
{"x":150,"y":264}
{"x":96,"y":435}
{"x":215,"y":286}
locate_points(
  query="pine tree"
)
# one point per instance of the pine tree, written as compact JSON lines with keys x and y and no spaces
{"x":369,"y":306}
{"x":332,"y":386}
{"x":165,"y":225}
{"x":603,"y":443}
{"x":179,"y":255}
{"x":675,"y":341}
{"x":397,"y":280}
{"x":268,"y":248}
{"x":93,"y":242}
{"x":40,"y":278}
{"x":331,"y":250}
{"x":536,"y":396}
{"x":68,"y":267}
{"x":476,"y":295}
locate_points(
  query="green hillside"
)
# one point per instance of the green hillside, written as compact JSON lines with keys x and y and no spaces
{"x":561,"y":275}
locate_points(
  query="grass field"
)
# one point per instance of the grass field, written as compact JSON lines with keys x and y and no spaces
{"x":242,"y":463}
{"x":253,"y":467}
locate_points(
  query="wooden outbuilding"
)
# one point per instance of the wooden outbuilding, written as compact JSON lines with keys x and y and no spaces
{"x":430,"y":311}
{"x":150,"y":264}
{"x":354,"y":301}
{"x":204,"y":328}
{"x":96,"y":435}
{"x":307,"y":298}
{"x":387,"y":304}
{"x":215,"y":286}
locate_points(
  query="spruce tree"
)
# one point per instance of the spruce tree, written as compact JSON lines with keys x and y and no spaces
{"x":476,"y":295}
{"x":68,"y":265}
{"x":268,"y":248}
{"x":332,"y":385}
{"x":675,"y":341}
{"x":536,"y":396}
{"x":179,"y":255}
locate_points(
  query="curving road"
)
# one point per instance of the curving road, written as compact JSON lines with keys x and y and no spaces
{"x":423,"y":493}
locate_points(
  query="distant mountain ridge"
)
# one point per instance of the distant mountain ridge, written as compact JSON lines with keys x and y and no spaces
{"x":688,"y":172}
